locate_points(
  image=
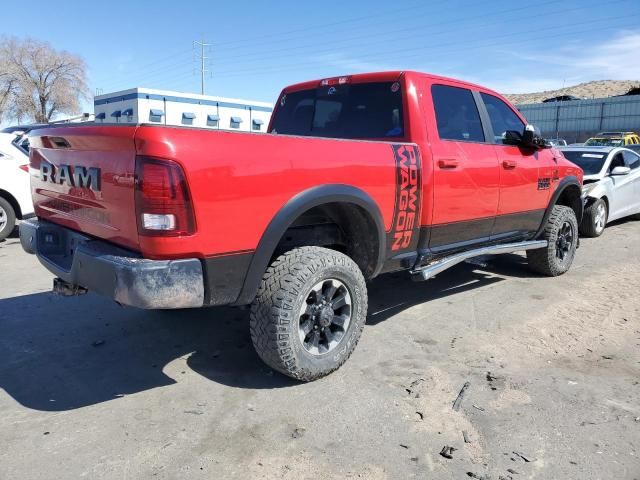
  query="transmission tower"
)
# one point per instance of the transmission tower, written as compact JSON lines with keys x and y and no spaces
{"x":203,"y":58}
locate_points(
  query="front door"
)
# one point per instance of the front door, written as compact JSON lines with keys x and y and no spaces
{"x":527,"y":176}
{"x":466,"y":172}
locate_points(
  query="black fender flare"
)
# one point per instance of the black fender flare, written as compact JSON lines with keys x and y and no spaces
{"x":565,"y":183}
{"x":296,"y":206}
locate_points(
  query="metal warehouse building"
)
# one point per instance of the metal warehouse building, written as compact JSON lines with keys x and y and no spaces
{"x":143,"y":105}
{"x":577,"y":120}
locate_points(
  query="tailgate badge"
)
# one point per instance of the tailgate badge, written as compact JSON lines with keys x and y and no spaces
{"x":81,"y":177}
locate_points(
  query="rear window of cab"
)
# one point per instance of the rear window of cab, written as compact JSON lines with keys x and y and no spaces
{"x":350,"y":111}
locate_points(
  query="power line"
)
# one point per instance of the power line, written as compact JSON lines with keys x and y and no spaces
{"x":239,"y":58}
{"x":424,"y":27}
{"x":394,"y":12}
{"x":163,"y":68}
{"x":398,"y":53}
{"x":405,"y":51}
{"x":403,"y":31}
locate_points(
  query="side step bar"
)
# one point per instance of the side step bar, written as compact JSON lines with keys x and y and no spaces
{"x":431,"y":270}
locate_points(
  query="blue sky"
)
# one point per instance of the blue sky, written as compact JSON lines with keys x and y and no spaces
{"x":259,"y":46}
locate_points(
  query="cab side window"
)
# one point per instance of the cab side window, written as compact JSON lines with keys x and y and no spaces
{"x":632,"y":160}
{"x":502,"y":117}
{"x":457,"y":115}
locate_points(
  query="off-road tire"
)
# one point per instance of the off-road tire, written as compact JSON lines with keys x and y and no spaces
{"x":9,"y":219}
{"x":275,"y":317}
{"x":588,"y":226}
{"x":545,"y":260}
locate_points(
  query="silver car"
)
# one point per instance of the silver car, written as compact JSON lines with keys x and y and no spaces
{"x":611,"y":184}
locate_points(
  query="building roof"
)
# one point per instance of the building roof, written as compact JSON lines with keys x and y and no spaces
{"x":140,"y":92}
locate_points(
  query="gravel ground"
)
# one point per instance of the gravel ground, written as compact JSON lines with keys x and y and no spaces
{"x":89,"y":389}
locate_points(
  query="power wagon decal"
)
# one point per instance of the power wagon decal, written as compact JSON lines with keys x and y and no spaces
{"x":405,"y":228}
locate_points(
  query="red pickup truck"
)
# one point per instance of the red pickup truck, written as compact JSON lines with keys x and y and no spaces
{"x":357,"y":176}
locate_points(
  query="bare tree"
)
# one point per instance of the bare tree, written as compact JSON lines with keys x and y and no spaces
{"x":8,"y":86}
{"x":41,"y":81}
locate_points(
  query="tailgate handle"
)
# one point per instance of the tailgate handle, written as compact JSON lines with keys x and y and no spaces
{"x":448,"y":163}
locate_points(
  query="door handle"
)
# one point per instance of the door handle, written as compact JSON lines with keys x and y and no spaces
{"x":509,"y":164}
{"x":448,"y":163}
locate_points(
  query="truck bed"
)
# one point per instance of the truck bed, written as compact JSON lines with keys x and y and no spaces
{"x":237,"y":181}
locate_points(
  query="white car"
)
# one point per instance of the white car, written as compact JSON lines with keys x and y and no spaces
{"x":15,"y":188}
{"x":611,"y":185}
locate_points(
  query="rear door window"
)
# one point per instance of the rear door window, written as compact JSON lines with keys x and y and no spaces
{"x":457,"y":114}
{"x":354,"y":111}
{"x":502,"y":117}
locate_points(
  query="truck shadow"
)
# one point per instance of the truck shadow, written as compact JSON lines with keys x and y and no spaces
{"x":59,"y":354}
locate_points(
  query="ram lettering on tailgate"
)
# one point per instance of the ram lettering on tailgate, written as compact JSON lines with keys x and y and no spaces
{"x":71,"y":176}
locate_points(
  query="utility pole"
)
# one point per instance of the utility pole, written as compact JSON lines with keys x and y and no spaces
{"x":203,"y":70}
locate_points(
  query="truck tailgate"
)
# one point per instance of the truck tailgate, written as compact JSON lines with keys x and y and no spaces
{"x":82,"y":177}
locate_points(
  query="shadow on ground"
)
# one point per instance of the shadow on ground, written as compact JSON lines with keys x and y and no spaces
{"x":59,"y":354}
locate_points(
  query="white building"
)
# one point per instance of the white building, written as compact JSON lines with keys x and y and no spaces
{"x":144,"y":105}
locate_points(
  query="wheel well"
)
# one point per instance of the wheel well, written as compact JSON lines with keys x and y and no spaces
{"x":13,"y":202}
{"x":572,"y":197}
{"x":592,"y":200}
{"x":344,"y":227}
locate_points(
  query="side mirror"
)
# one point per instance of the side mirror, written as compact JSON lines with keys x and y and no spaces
{"x":621,"y":171}
{"x":531,"y":138}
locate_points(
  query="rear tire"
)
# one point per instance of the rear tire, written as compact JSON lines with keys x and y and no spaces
{"x":309,"y":312}
{"x":561,"y":232}
{"x":594,"y":219}
{"x":7,"y":219}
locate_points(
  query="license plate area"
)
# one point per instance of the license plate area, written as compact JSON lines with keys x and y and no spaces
{"x":59,"y":245}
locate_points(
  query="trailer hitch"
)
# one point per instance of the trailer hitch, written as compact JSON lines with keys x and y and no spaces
{"x":66,"y":289}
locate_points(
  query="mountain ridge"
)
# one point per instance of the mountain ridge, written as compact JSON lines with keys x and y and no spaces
{"x":593,"y":89}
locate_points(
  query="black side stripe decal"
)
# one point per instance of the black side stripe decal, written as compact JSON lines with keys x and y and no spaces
{"x":405,"y":229}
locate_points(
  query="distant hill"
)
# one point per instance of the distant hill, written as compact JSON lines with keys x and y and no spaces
{"x":595,"y":89}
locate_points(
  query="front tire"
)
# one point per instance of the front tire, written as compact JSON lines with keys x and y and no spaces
{"x":561,"y":233}
{"x":594,"y":219}
{"x":309,"y":312}
{"x":7,"y":219}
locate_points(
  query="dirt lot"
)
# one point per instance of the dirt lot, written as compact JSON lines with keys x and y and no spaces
{"x":89,"y":389}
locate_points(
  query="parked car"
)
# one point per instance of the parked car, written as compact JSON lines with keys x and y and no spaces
{"x":357,"y":176}
{"x":15,"y":193}
{"x":561,"y":98}
{"x":613,"y":139}
{"x":611,"y":185}
{"x":21,"y":129}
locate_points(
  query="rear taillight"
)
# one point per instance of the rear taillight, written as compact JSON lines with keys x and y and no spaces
{"x":24,"y":167}
{"x":163,"y":202}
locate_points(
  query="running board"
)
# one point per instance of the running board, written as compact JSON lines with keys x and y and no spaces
{"x":429,"y":271}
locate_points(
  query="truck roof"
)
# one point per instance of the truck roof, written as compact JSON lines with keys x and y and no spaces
{"x":388,"y":76}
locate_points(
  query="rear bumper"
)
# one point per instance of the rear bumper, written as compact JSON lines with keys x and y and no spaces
{"x":114,"y":272}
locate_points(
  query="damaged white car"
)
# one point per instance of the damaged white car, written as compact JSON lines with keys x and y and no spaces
{"x":611,"y":185}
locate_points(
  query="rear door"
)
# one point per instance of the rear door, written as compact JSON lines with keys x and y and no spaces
{"x":632,"y":159}
{"x":466,"y":174}
{"x":627,"y":187}
{"x":526,"y":176}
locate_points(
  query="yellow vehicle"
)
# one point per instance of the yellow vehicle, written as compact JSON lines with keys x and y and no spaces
{"x":613,"y":139}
